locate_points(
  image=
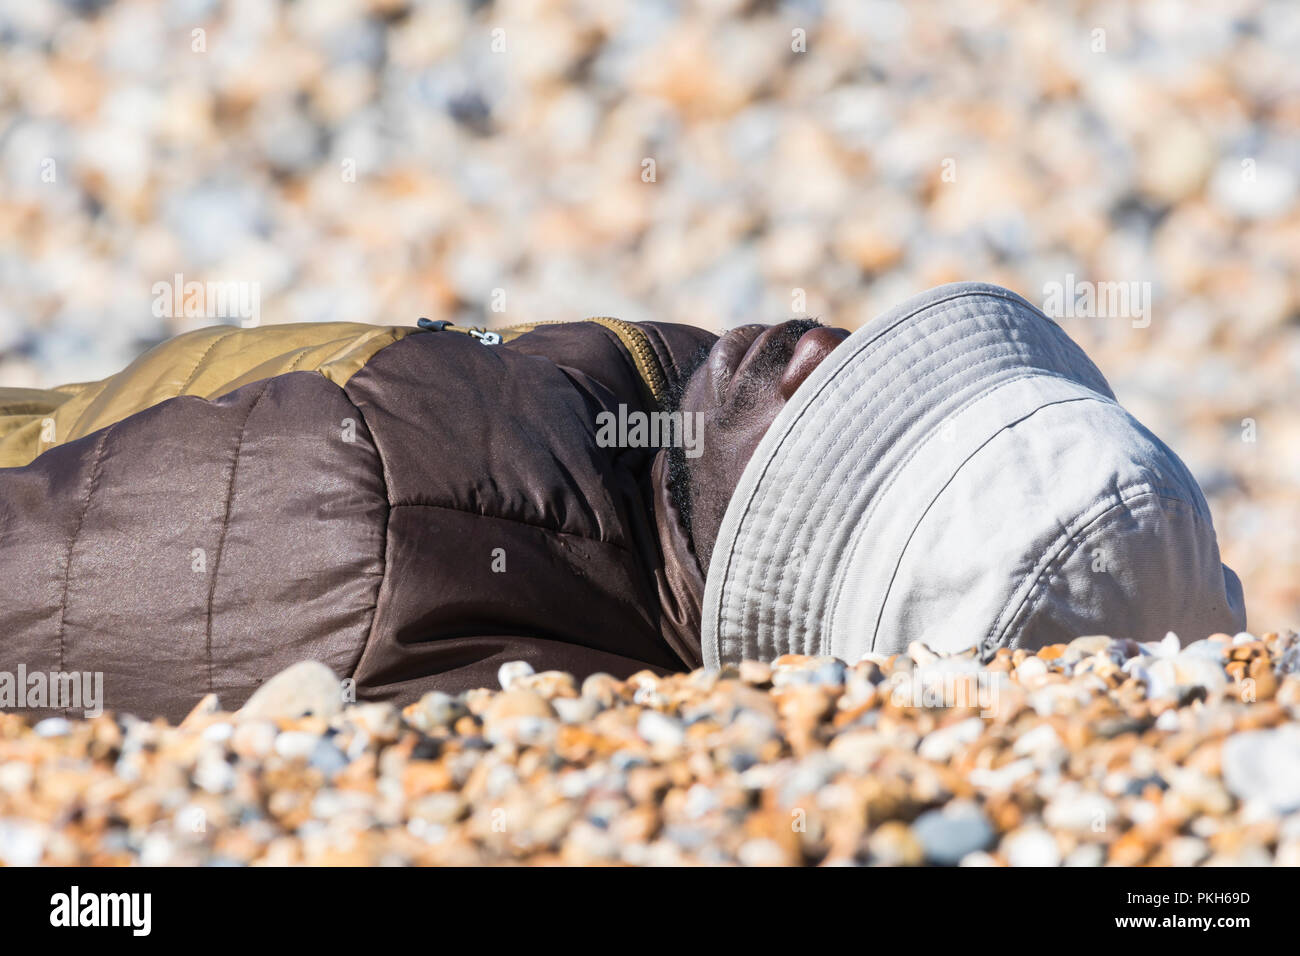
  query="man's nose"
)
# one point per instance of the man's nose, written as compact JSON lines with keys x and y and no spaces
{"x":811,"y":351}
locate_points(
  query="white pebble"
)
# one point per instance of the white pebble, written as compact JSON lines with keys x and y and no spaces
{"x":1031,"y":846}
{"x":656,"y":728}
{"x":511,"y":671}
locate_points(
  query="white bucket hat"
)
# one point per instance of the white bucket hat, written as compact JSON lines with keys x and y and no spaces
{"x":958,"y":472}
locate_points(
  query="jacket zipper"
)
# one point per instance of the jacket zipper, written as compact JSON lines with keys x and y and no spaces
{"x":637,"y":343}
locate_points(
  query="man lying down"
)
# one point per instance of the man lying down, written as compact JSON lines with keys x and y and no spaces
{"x":414,"y":507}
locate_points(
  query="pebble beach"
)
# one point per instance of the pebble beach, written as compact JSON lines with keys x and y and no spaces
{"x":1097,"y":752}
{"x":718,"y":163}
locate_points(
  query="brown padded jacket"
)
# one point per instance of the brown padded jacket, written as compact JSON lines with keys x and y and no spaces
{"x":411,"y":507}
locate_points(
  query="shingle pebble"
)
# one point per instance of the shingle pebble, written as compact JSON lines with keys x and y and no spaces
{"x":732,"y":767}
{"x":1264,"y":766}
{"x":956,"y":830}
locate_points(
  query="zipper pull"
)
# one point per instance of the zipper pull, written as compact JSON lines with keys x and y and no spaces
{"x":432,"y":325}
{"x":485,"y":337}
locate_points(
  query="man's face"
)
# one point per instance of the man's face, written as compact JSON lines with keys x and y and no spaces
{"x":748,"y":375}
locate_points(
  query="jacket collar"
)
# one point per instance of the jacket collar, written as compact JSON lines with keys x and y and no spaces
{"x":678,"y":579}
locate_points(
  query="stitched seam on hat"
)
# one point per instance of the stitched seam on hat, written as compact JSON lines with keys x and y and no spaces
{"x":834,"y":385}
{"x":838,"y":385}
{"x":1063,"y":546}
{"x":1051,"y":574}
{"x":225,"y":526}
{"x":1040,"y":587}
{"x":862,"y":521}
{"x":884,"y":600}
{"x":1054,"y":552}
{"x":900,"y":467}
{"x":729,"y":598}
{"x":96,"y":469}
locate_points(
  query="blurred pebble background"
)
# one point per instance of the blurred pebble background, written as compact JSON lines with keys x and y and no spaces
{"x":710,"y":162}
